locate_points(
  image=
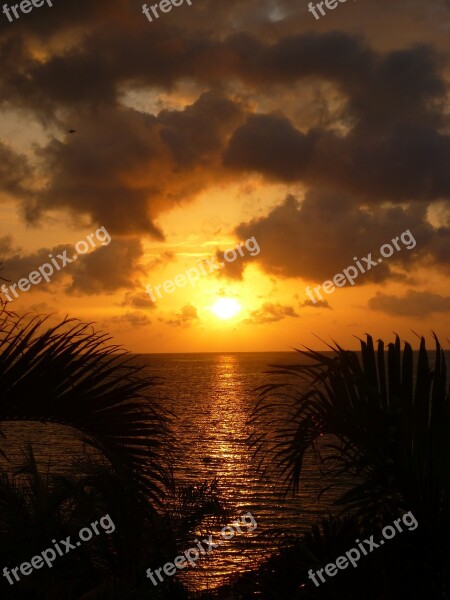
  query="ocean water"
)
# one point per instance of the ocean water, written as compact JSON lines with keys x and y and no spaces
{"x":212,"y":397}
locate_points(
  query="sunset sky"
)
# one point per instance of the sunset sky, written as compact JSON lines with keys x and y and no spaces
{"x":220,"y":122}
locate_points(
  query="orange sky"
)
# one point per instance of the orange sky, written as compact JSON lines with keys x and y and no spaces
{"x":321,"y":140}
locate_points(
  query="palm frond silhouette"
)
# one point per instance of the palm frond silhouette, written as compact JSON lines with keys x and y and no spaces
{"x":69,"y":375}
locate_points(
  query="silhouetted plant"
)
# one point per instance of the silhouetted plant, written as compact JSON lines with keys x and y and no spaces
{"x":36,"y":508}
{"x":69,"y":375}
{"x":382,"y":424}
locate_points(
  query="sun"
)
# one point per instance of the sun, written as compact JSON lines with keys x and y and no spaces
{"x":225,"y":308}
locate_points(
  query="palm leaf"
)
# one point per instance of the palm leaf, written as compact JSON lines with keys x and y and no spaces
{"x":69,"y":375}
{"x":391,"y":429}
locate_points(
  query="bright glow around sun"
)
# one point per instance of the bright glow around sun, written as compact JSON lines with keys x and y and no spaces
{"x":225,"y":308}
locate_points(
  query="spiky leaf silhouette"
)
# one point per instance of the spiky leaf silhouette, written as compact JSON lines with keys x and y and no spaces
{"x":69,"y":375}
{"x":382,"y":422}
{"x":387,"y":423}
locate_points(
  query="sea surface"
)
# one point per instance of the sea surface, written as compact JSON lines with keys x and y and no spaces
{"x":212,"y":397}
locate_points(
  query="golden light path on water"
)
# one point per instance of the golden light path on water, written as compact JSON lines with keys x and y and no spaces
{"x":212,"y":396}
{"x":214,"y":406}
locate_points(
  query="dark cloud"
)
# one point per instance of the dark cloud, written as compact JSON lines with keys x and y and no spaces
{"x":18,"y":266}
{"x":161,"y":260}
{"x":336,"y":56}
{"x":6,"y":245}
{"x":71,"y":66}
{"x":66,"y":15}
{"x":125,"y":168}
{"x":134,"y":318}
{"x":108,"y":268}
{"x":316,"y":304}
{"x":411,"y":304}
{"x":42,"y":308}
{"x":320,"y":237}
{"x":105,"y":269}
{"x":185,"y":317}
{"x":394,"y":148}
{"x":271,"y":145}
{"x":402,"y":163}
{"x":139,"y":300}
{"x":243,"y":253}
{"x":92,"y":171}
{"x":197,"y":132}
{"x":404,"y":86}
{"x":270,"y":313}
{"x":399,"y":86}
{"x":15,"y":173}
{"x":234,"y":270}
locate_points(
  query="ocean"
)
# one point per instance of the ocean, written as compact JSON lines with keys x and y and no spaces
{"x":212,"y":397}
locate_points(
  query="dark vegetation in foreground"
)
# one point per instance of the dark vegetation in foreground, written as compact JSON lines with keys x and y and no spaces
{"x":386,"y":424}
